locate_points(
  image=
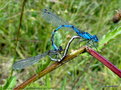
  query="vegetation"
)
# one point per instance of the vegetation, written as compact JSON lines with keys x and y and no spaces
{"x":83,"y":72}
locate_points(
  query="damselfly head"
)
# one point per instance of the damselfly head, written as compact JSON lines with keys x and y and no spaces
{"x":46,"y":11}
{"x":95,"y":38}
{"x":117,"y":16}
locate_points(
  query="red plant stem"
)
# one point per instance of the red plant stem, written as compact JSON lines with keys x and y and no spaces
{"x":104,"y":61}
{"x":67,"y":58}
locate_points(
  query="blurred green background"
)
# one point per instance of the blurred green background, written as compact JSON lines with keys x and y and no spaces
{"x":83,"y":72}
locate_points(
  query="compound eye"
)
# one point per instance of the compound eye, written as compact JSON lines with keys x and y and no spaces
{"x":95,"y":38}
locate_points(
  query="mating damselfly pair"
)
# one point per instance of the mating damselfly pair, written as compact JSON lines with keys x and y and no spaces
{"x":59,"y":23}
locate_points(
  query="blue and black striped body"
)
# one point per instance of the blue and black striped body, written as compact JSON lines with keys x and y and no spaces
{"x":57,"y":21}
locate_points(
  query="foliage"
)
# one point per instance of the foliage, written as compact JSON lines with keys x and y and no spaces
{"x":84,"y":72}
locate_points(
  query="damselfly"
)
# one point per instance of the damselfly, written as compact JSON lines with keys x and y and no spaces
{"x":60,"y":23}
{"x":18,"y":65}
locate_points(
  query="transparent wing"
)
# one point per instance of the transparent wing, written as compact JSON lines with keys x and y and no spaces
{"x":27,"y":62}
{"x":53,"y":18}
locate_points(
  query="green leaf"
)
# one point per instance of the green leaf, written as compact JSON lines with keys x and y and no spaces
{"x":109,"y":36}
{"x":10,"y":83}
{"x":63,"y":84}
